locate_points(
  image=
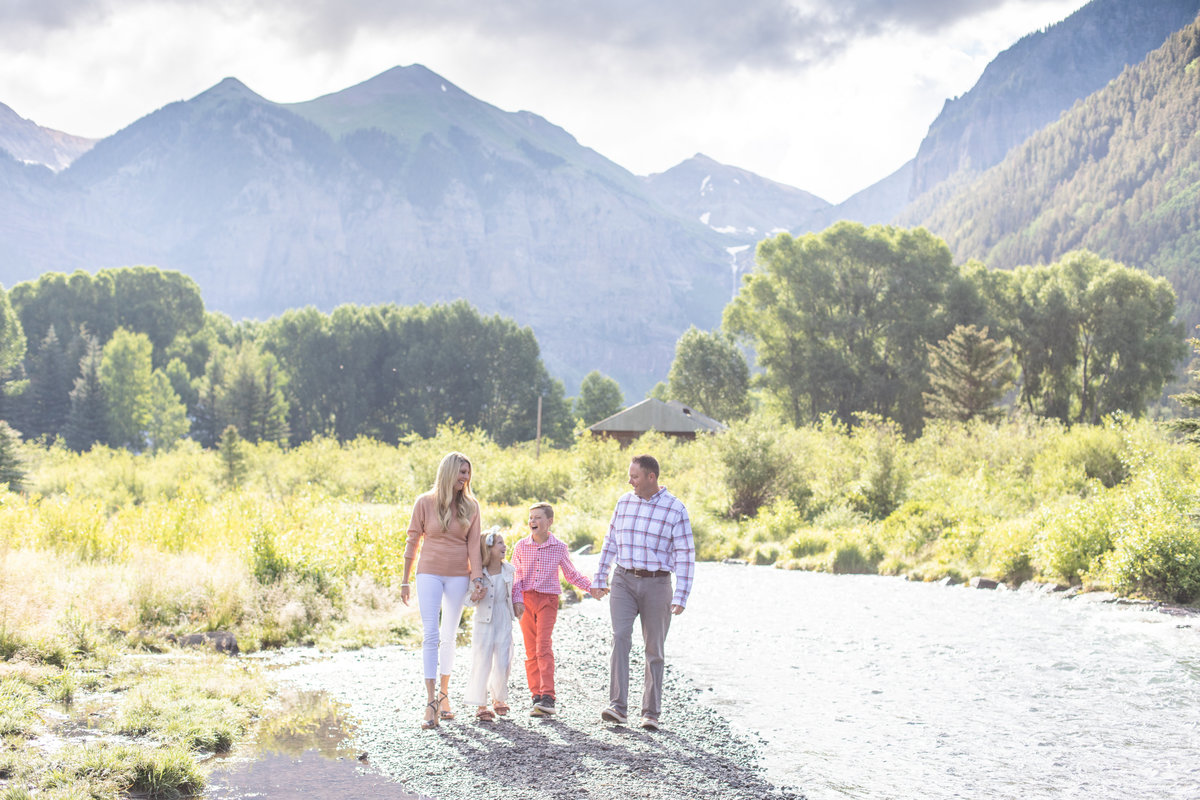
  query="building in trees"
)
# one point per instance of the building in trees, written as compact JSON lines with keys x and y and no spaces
{"x":670,"y":418}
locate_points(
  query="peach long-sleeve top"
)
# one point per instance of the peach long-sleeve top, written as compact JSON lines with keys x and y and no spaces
{"x":449,"y":551}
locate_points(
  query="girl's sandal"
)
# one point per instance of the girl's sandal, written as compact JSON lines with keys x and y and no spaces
{"x":501,"y":708}
{"x":485,"y":715}
{"x":447,"y":713}
{"x":429,"y":724}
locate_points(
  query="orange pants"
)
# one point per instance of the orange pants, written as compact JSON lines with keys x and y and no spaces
{"x":537,"y":624}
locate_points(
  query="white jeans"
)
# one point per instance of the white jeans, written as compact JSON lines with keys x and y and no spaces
{"x":446,"y":594}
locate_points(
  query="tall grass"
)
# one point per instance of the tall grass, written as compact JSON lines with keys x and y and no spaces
{"x":150,"y":544}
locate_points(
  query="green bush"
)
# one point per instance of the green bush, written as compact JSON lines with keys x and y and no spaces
{"x":1007,"y":551}
{"x":917,"y":524}
{"x":1157,"y":550}
{"x":1070,"y":541}
{"x":775,"y":523}
{"x":808,"y":542}
{"x":1084,"y":453}
{"x":757,"y":466}
{"x":854,"y":557}
{"x":884,"y":477}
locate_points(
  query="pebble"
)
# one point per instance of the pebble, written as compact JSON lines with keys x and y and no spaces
{"x":568,"y":756}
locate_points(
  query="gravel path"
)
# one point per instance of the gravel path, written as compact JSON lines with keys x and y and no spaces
{"x":572,"y":755}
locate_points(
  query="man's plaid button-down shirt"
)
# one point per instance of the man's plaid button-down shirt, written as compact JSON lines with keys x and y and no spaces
{"x":653,"y":534}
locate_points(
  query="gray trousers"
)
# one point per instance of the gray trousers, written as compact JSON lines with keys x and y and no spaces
{"x":649,"y":598}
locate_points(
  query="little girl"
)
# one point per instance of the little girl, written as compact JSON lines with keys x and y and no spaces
{"x":492,"y":640}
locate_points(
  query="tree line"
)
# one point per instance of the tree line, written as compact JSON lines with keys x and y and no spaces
{"x":129,"y":358}
{"x":878,"y":320}
{"x":848,"y":322}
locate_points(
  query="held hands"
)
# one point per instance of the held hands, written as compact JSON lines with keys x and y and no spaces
{"x":477,"y":593}
{"x":597,"y":593}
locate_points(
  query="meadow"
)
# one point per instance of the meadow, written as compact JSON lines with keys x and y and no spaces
{"x":104,"y":554}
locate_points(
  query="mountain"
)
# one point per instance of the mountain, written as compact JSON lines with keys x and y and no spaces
{"x":1118,"y":174}
{"x":733,"y":201}
{"x":401,"y":189}
{"x":28,"y":142}
{"x":1030,"y":84}
{"x":875,"y":205}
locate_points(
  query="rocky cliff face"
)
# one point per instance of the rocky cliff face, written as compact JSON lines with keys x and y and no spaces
{"x":28,"y":142}
{"x":1030,"y":84}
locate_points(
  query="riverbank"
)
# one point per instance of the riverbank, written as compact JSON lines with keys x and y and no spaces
{"x":572,"y":755}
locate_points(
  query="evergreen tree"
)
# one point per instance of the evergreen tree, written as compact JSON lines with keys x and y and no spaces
{"x":12,"y":352}
{"x":968,"y":375}
{"x":1189,"y":426}
{"x":87,"y":420}
{"x":12,"y":470}
{"x":47,"y":399}
{"x":233,"y":457}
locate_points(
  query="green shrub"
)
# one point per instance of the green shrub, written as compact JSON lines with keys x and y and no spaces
{"x":522,"y":479}
{"x":1157,"y":549}
{"x":766,"y":553}
{"x":775,"y":523}
{"x":1082,"y":454}
{"x":917,"y":524}
{"x":1070,"y":541}
{"x":1007,"y":551}
{"x":884,"y":477}
{"x":757,"y":466}
{"x":808,"y":542}
{"x":855,"y":557}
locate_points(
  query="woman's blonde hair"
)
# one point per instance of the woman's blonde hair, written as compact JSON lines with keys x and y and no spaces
{"x":452,"y":503}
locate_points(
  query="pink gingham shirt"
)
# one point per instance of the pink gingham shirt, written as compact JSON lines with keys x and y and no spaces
{"x":653,"y":534}
{"x":537,"y":568}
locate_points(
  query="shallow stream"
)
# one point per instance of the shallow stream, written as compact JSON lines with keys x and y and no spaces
{"x":870,"y":687}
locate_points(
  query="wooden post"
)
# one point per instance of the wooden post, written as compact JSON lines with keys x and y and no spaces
{"x":537,"y":455}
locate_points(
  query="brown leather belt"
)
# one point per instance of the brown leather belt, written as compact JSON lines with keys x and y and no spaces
{"x":644,"y":573}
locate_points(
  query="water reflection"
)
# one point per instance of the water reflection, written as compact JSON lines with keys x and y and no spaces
{"x":305,"y":750}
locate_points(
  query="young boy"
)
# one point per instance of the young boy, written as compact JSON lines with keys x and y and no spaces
{"x":537,"y":559}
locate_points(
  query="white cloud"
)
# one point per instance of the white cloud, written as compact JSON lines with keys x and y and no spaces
{"x":825,"y":96}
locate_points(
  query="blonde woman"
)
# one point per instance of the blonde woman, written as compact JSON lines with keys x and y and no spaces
{"x":445,"y":526}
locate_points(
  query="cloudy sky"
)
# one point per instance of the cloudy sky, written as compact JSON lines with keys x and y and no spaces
{"x":826,"y":95}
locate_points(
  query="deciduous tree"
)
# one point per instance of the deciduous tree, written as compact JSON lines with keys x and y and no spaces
{"x":599,"y":397}
{"x":839,"y":320}
{"x":710,"y":374}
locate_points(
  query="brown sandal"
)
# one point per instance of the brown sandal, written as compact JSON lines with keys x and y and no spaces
{"x":485,"y":715}
{"x":429,"y":724}
{"x":500,"y":708}
{"x":444,"y":714}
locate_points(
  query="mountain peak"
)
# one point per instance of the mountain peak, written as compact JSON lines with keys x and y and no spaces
{"x":229,"y":89}
{"x":397,"y":82}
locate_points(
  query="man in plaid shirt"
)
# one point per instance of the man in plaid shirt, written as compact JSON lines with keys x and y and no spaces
{"x":649,"y":537}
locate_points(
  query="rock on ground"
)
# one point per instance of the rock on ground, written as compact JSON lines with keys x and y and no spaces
{"x":569,"y":756}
